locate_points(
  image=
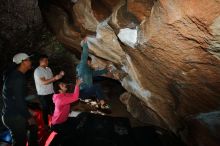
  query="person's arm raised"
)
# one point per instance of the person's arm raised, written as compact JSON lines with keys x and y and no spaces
{"x":68,"y":98}
{"x":85,"y":52}
{"x":55,"y":78}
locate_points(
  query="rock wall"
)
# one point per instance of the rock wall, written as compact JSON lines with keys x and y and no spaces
{"x":20,"y":29}
{"x":167,"y":50}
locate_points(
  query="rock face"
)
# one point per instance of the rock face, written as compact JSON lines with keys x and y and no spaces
{"x":20,"y":22}
{"x":204,"y":129}
{"x":169,"y":50}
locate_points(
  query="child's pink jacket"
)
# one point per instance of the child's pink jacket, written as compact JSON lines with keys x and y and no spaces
{"x":62,"y":103}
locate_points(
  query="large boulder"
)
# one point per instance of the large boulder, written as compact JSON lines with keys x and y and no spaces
{"x":168,"y":50}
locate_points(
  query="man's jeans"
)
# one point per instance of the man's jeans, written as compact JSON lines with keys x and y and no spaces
{"x":47,"y":106}
{"x":93,"y":91}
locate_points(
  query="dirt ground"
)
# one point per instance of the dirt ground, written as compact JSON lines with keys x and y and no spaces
{"x":145,"y":134}
{"x":113,"y":90}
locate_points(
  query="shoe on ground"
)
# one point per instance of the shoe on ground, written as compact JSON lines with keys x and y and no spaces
{"x":97,"y":112}
{"x":85,"y":100}
{"x":105,"y":108}
{"x":93,"y":103}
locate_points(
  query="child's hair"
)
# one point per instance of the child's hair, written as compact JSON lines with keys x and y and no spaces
{"x":57,"y":87}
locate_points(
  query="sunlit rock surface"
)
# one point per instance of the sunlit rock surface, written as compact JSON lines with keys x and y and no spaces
{"x":171,"y":61}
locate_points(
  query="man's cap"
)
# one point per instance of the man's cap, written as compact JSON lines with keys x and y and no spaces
{"x":18,"y":58}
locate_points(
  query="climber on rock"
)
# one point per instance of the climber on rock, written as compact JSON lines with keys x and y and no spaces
{"x":85,"y":71}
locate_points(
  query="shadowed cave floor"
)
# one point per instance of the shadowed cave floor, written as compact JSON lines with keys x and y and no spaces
{"x":141,"y":133}
{"x":100,"y":130}
{"x":105,"y":130}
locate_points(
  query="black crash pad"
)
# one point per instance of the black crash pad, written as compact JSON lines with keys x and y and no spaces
{"x":98,"y":130}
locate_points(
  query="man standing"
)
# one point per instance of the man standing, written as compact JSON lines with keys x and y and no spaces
{"x":15,"y":114}
{"x":44,"y":79}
